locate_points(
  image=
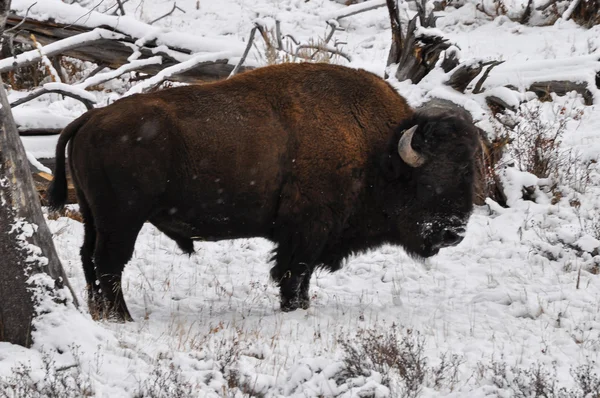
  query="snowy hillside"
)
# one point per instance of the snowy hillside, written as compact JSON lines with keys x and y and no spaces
{"x":514,"y":310}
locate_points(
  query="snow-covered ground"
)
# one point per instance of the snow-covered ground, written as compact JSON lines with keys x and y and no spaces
{"x":522,"y":290}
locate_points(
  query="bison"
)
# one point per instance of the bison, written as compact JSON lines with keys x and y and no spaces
{"x":323,"y":160}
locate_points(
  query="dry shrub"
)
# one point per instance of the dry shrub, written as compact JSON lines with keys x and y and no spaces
{"x":279,"y":50}
{"x":65,"y":382}
{"x":25,"y":77}
{"x":398,"y":356}
{"x":66,"y":212}
{"x":165,"y":381}
{"x":587,"y":13}
{"x":539,"y":381}
{"x":534,"y":145}
{"x":487,"y":181}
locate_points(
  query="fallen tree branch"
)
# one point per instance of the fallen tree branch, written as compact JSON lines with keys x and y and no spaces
{"x":356,"y":9}
{"x":569,"y":11}
{"x":323,"y":48}
{"x":100,"y":78}
{"x":40,"y":131}
{"x":17,"y":26}
{"x":463,"y":75}
{"x":68,"y":91}
{"x":59,"y":47}
{"x":561,"y":88}
{"x":490,"y":65}
{"x":116,"y":50}
{"x":246,"y":51}
{"x":174,"y":70}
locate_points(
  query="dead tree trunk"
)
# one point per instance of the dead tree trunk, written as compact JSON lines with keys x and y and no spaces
{"x":415,"y":53}
{"x":28,"y":260}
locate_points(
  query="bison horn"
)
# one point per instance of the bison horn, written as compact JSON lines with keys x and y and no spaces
{"x":407,"y":153}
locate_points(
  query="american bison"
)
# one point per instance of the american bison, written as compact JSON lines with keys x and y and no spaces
{"x":323,"y":160}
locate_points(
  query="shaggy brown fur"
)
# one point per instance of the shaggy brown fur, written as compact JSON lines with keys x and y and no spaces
{"x":302,"y":154}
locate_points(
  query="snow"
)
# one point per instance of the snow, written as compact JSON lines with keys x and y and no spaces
{"x":75,"y":90}
{"x":521,"y":288}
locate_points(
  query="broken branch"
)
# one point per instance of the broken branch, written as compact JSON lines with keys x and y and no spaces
{"x":246,"y":51}
{"x":58,"y":88}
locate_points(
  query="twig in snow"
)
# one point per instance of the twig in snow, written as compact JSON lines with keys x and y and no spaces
{"x":97,"y":70}
{"x":247,"y":50}
{"x":278,"y":34}
{"x":333,"y":51}
{"x":84,"y":15}
{"x":117,"y":8}
{"x":120,"y":4}
{"x":167,"y":14}
{"x":335,"y":26}
{"x":293,"y":39}
{"x":88,"y":104}
{"x":17,"y":26}
{"x":490,"y":65}
{"x":63,"y":368}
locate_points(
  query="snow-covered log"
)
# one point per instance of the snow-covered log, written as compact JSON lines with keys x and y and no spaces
{"x":53,"y":22}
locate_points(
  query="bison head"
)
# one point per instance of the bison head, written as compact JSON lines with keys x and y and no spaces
{"x":430,"y":173}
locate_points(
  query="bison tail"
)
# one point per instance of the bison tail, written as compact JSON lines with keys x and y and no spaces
{"x":57,"y":191}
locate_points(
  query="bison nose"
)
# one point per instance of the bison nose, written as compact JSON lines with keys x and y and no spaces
{"x":452,"y":237}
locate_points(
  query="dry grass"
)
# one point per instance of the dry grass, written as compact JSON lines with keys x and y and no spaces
{"x":398,"y":356}
{"x":58,"y":382}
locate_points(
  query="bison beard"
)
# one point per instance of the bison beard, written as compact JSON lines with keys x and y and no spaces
{"x":323,"y":160}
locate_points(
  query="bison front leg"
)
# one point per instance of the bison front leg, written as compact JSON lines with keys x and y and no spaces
{"x":295,"y":259}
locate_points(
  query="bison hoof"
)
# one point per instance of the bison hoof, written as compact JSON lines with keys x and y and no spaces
{"x":100,"y":309}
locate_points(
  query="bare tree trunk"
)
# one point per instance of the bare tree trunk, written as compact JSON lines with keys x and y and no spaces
{"x":26,"y":247}
{"x":415,"y":53}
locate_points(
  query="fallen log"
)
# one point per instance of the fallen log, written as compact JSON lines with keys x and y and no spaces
{"x":41,"y":180}
{"x":561,"y":88}
{"x":115,"y":52}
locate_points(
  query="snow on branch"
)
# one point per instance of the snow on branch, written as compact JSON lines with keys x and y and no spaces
{"x":180,"y":68}
{"x":355,"y":9}
{"x":70,"y":91}
{"x":113,"y":74}
{"x":58,"y":47}
{"x":76,"y":15}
